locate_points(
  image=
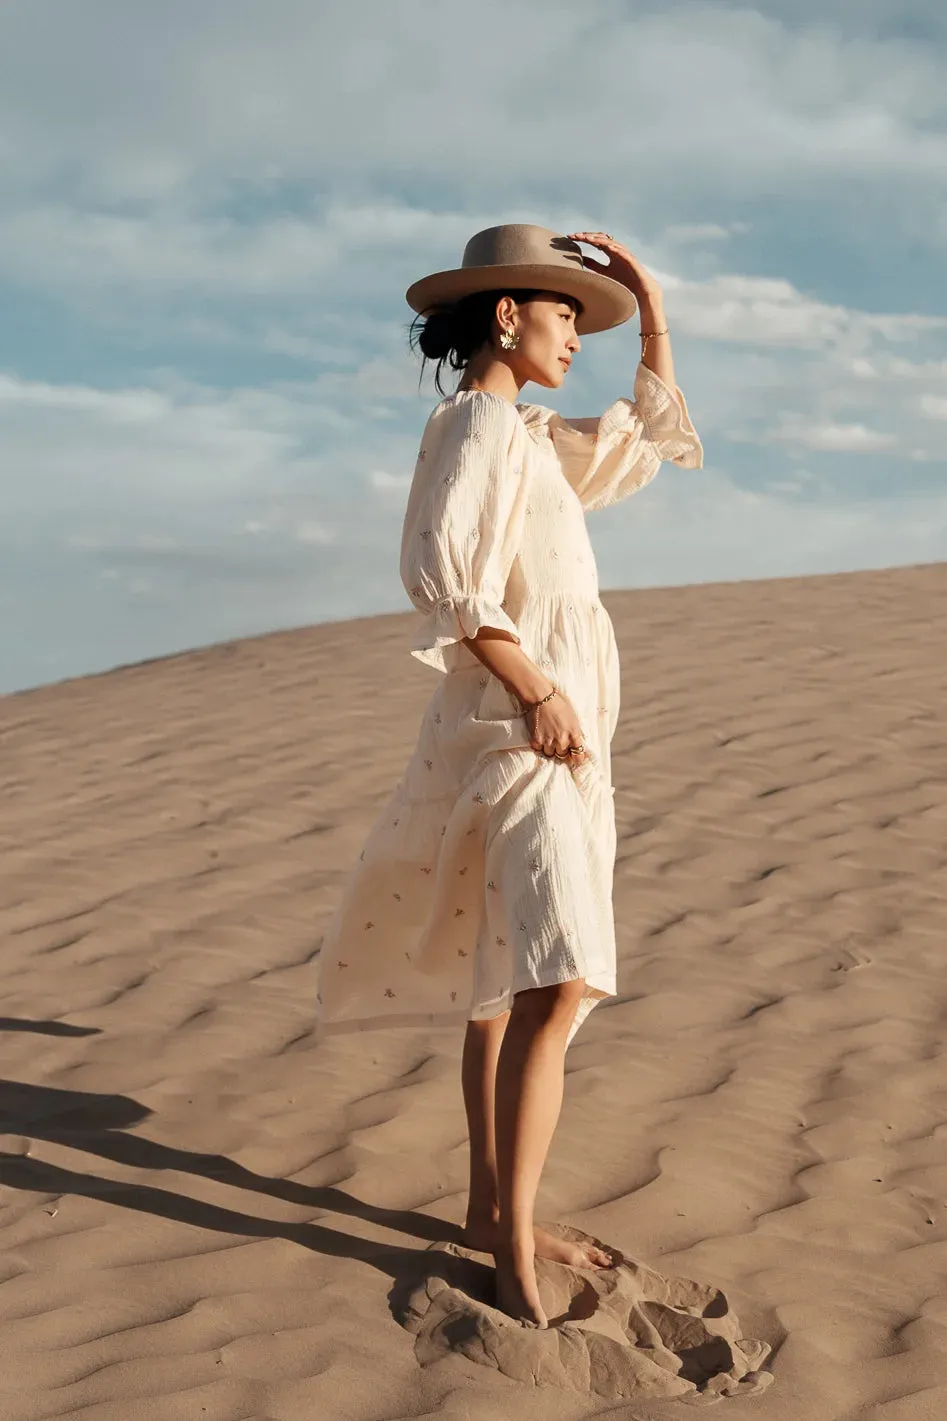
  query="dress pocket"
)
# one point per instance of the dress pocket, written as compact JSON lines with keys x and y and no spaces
{"x":497,"y":705}
{"x":597,"y":798}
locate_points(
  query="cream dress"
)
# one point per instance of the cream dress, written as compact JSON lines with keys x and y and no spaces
{"x":489,"y":869}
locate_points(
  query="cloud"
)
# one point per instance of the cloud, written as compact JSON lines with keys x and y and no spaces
{"x":207,"y":397}
{"x":933,"y":406}
{"x":768,"y":311}
{"x":703,"y":231}
{"x":381,"y":479}
{"x":353,"y":94}
{"x":837,"y":438}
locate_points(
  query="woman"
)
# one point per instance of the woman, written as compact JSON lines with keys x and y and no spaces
{"x":484,"y":889}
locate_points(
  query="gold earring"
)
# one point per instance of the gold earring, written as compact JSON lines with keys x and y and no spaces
{"x":509,"y":340}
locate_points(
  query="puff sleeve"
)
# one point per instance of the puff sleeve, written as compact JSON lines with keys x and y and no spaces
{"x":463,"y":523}
{"x":607,"y":458}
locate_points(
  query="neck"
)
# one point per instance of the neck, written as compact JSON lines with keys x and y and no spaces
{"x":486,"y":371}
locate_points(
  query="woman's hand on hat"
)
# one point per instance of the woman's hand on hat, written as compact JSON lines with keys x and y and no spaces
{"x":622,"y":266}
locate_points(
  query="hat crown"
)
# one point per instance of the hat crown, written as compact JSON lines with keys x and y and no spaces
{"x":521,"y":244}
{"x":520,"y":254}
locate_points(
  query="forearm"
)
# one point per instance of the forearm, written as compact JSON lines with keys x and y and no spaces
{"x":507,"y":661}
{"x":657,"y":352}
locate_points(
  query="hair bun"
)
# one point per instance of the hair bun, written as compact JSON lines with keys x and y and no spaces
{"x":437,"y":337}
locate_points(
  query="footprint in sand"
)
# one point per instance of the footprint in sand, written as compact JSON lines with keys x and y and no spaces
{"x":849,"y":958}
{"x":616,"y":1333}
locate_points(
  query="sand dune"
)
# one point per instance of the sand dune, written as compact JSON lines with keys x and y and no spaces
{"x":203,"y":1215}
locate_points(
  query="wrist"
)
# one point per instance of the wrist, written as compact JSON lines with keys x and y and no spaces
{"x":530,"y":688}
{"x":651,"y":313}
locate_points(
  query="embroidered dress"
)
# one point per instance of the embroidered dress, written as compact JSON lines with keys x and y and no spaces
{"x":489,"y":869}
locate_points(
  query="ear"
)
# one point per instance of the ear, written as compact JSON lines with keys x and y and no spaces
{"x":504,"y":311}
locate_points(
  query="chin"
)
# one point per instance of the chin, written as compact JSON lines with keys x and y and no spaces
{"x":550,"y":379}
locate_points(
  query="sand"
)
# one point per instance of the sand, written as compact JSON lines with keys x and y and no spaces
{"x":203,"y":1215}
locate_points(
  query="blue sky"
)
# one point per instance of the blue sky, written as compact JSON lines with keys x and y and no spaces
{"x":209,"y":215}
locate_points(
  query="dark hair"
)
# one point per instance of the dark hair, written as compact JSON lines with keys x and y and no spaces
{"x":452,"y":334}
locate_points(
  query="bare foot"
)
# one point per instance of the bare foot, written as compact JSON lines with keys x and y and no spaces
{"x":483,"y":1234}
{"x":517,"y":1292}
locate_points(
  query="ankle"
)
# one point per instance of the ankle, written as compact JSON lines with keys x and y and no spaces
{"x":482,"y":1213}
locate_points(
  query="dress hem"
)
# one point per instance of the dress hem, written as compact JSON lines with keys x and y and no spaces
{"x":344,"y":1026}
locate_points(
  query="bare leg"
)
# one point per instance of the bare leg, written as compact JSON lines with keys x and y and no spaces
{"x":482,"y":1044}
{"x":529,"y":1086}
{"x":478,"y":1078}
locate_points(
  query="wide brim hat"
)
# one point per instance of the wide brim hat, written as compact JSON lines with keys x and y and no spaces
{"x":519,"y":254}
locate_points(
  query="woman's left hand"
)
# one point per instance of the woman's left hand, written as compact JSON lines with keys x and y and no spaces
{"x":623,"y":265}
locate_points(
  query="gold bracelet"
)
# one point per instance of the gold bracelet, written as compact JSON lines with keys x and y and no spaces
{"x":646,"y":335}
{"x":531,"y":705}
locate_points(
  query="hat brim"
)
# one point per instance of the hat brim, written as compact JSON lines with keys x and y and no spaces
{"x":605,"y":302}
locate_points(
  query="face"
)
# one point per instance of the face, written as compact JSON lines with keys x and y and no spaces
{"x":546,"y":328}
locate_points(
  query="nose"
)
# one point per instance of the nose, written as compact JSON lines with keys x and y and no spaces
{"x":575,"y":345}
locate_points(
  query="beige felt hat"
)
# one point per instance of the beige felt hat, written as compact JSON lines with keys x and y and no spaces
{"x":519,"y":254}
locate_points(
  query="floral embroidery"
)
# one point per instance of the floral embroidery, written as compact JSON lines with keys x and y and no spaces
{"x":543,"y":516}
{"x":343,"y":964}
{"x":369,"y":925}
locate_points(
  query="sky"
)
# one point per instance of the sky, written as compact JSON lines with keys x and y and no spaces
{"x":209,"y":215}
